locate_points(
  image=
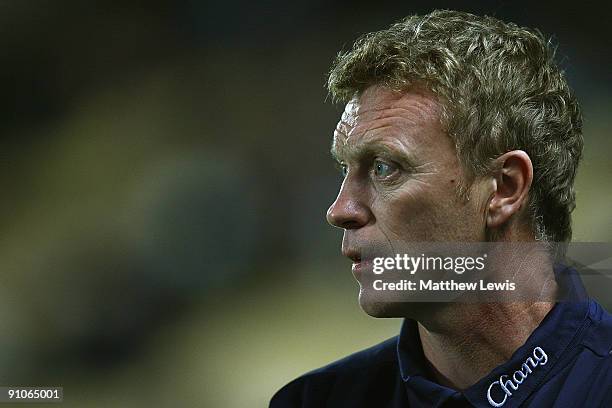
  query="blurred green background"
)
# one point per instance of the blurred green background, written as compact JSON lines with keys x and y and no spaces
{"x":165,"y":174}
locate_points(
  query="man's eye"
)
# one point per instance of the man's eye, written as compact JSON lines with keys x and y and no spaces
{"x":343,"y":169}
{"x":382,"y":169}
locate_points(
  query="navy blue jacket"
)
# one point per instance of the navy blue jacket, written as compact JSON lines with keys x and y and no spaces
{"x":565,"y":362}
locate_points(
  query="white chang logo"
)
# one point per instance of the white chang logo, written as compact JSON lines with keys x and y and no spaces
{"x":539,"y":359}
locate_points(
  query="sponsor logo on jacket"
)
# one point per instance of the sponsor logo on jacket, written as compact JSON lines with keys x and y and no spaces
{"x":509,"y":384}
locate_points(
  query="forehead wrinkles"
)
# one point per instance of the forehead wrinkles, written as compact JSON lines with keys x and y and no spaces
{"x":369,"y":113}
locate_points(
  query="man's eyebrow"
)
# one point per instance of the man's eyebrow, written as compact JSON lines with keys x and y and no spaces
{"x":376,"y":146}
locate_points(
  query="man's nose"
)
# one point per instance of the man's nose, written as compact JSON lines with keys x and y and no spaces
{"x":349,"y":210}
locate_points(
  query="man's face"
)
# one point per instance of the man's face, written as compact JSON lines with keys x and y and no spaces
{"x":401,"y":177}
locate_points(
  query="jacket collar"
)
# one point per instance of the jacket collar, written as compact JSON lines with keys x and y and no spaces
{"x":509,"y":384}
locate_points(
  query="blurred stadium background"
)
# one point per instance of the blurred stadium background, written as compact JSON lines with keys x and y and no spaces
{"x":165,"y":176}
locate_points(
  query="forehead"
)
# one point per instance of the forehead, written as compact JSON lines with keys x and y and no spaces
{"x":408,"y":115}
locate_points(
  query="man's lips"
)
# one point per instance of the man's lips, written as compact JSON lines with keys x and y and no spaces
{"x":353,"y":254}
{"x":359,"y":264}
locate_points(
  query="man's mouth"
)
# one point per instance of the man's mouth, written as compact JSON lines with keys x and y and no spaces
{"x":353,"y":254}
{"x":360,"y":268}
{"x":359,"y":264}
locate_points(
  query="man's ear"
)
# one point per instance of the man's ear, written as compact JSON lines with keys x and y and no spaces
{"x":512,"y":183}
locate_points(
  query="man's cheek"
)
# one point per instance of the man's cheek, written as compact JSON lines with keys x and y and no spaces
{"x":408,"y":218}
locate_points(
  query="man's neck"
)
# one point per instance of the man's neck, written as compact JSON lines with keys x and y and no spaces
{"x":463,"y":342}
{"x":469,"y":340}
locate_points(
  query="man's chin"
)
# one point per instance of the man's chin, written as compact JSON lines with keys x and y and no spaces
{"x":381,"y":309}
{"x":388,"y":309}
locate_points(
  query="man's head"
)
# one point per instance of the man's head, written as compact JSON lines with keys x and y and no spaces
{"x":456,"y":128}
{"x":498,"y":89}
